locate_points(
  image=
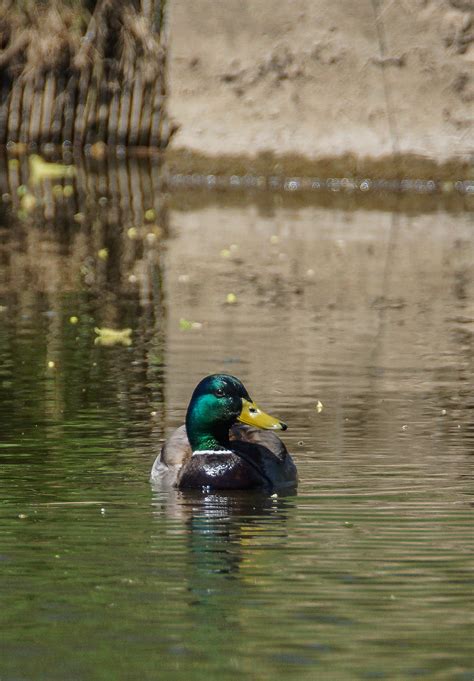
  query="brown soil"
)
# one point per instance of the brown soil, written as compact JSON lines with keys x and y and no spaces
{"x":318,"y":79}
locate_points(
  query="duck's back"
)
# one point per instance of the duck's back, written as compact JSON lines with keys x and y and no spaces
{"x":267,"y":452}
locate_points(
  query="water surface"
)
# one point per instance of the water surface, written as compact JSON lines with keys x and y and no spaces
{"x":365,"y":573}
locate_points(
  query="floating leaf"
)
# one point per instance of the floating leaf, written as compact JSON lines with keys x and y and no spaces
{"x":41,"y":169}
{"x":186,"y":325}
{"x":108,"y":337}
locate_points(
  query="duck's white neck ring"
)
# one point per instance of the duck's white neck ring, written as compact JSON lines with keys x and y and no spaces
{"x":197,"y":452}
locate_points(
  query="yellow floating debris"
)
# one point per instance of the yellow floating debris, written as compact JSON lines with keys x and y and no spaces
{"x":73,"y":319}
{"x":41,"y":169}
{"x":186,"y":325}
{"x":274,"y":239}
{"x":103,"y":254}
{"x":231,"y":299}
{"x":28,"y":202}
{"x":132,"y":233}
{"x":150,"y":215}
{"x":319,"y":406}
{"x":51,"y":364}
{"x":225,"y":253}
{"x":108,"y":337}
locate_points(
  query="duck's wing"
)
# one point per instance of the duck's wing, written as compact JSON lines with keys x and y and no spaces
{"x":175,"y":452}
{"x":256,"y":436}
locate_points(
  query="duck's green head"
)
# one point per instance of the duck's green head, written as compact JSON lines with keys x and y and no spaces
{"x":218,"y":401}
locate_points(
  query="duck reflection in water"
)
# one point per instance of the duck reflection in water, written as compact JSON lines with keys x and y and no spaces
{"x":224,"y":529}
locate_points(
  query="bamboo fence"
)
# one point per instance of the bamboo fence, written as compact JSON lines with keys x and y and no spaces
{"x":83,"y":72}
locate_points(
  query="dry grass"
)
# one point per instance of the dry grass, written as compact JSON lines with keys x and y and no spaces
{"x":107,"y":64}
{"x":36,"y":38}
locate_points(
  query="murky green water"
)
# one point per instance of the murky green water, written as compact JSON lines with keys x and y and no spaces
{"x":366,"y":573}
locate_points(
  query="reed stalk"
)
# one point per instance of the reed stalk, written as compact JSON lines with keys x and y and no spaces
{"x":48,"y":107}
{"x":14,"y":113}
{"x":36,"y":107}
{"x":68,"y":110}
{"x":136,"y":109}
{"x":28,"y":91}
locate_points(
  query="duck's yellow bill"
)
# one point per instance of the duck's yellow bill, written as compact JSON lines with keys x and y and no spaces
{"x":253,"y":416}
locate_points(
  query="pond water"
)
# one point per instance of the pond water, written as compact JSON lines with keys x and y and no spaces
{"x":366,"y":306}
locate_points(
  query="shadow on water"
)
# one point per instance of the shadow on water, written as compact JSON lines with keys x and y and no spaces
{"x":364,"y":305}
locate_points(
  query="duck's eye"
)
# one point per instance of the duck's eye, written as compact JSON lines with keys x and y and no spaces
{"x":219,"y":392}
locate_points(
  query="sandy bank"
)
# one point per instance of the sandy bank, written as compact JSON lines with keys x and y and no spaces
{"x":323,"y":79}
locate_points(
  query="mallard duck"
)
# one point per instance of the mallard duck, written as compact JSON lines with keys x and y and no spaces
{"x":220,"y":447}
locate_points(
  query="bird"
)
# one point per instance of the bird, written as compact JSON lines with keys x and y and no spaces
{"x":221,"y":446}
